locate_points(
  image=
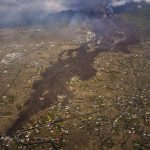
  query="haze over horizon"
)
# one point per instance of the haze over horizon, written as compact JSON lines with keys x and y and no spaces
{"x":19,"y":11}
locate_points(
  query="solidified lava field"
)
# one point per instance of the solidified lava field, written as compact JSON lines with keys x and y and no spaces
{"x":81,"y":85}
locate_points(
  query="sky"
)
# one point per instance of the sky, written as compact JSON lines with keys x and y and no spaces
{"x":26,"y":10}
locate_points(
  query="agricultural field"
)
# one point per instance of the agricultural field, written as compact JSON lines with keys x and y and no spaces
{"x":76,"y":88}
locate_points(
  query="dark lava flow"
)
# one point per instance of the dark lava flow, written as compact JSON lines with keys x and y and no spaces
{"x":54,"y":80}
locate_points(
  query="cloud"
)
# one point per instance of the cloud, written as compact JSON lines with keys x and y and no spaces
{"x":30,"y":5}
{"x":21,"y":11}
{"x":116,"y":3}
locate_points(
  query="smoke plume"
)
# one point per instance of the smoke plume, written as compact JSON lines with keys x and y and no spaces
{"x":18,"y":12}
